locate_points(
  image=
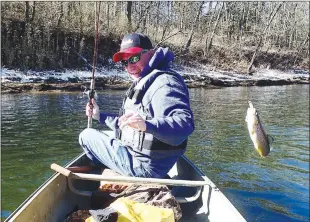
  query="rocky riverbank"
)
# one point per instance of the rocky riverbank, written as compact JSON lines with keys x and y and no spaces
{"x":70,"y":81}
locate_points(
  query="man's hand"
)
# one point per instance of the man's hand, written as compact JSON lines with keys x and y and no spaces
{"x":133,"y":120}
{"x":93,"y":110}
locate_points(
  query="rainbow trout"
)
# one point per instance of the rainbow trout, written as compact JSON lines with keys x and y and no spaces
{"x":260,"y":139}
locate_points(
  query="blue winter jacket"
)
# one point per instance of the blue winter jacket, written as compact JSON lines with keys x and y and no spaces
{"x":169,"y":106}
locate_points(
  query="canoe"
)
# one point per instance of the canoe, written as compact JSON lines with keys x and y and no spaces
{"x":54,"y":200}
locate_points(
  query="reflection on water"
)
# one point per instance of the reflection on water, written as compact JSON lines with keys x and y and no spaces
{"x":39,"y":129}
{"x":273,"y":188}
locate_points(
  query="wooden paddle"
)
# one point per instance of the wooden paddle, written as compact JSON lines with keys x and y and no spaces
{"x":124,"y":179}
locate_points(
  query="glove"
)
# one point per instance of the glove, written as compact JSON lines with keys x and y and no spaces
{"x":93,"y":110}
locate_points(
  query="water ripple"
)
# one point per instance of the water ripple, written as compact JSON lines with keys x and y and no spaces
{"x":39,"y":129}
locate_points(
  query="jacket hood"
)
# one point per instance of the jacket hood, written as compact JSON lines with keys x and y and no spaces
{"x":161,"y":60}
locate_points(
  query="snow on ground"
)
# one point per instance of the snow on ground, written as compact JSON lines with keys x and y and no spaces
{"x":263,"y":74}
{"x":8,"y":75}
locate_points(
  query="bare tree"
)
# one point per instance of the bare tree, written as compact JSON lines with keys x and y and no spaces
{"x":42,"y":29}
{"x":271,"y":16}
{"x":209,"y":43}
{"x":144,"y":11}
{"x":194,"y":25}
{"x":129,"y":21}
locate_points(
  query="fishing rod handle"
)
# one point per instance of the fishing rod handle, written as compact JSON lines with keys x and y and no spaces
{"x":91,"y":95}
{"x":89,"y":122}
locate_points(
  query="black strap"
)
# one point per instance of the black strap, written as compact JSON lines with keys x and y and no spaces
{"x":158,"y":145}
{"x":138,"y":95}
{"x":131,"y":90}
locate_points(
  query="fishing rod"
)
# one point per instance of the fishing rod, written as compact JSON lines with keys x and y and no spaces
{"x":92,"y":93}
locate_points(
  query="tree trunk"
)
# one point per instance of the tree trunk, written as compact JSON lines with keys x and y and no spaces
{"x":108,"y":16}
{"x":61,"y":15}
{"x":182,"y":17}
{"x":115,"y":9}
{"x":157,"y":20}
{"x":188,"y":43}
{"x":271,"y":16}
{"x":142,"y":18}
{"x":293,"y":31}
{"x":208,"y":27}
{"x":80,"y":18}
{"x":209,"y":45}
{"x":27,"y":12}
{"x":33,"y":11}
{"x":129,"y":22}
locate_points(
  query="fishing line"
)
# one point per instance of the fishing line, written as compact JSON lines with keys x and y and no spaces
{"x":245,"y":84}
{"x":161,"y":41}
{"x":83,"y":59}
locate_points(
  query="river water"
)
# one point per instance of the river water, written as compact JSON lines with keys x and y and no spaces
{"x":39,"y":129}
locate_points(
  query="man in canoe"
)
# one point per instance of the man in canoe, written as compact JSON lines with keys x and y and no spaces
{"x":151,"y":131}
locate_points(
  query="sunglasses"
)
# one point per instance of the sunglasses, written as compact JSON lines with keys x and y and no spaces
{"x":133,"y":59}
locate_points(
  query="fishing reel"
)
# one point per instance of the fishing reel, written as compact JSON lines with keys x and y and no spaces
{"x":91,"y":93}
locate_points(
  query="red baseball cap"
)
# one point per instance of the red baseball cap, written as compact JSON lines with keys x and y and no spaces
{"x":132,"y":44}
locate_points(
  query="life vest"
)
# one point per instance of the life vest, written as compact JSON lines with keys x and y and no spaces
{"x":137,"y":140}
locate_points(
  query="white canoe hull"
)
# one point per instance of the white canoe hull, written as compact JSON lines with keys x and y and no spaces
{"x":53,"y":200}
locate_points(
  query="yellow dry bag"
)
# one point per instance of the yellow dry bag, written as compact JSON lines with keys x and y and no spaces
{"x":131,"y":211}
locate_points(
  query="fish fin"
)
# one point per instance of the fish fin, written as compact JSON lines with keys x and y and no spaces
{"x":270,"y":139}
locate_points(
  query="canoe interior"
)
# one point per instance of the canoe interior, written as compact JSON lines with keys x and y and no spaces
{"x":53,"y":201}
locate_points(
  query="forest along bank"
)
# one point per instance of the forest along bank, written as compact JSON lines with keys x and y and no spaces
{"x":240,"y":36}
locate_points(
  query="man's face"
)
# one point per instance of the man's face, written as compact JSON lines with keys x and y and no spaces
{"x":136,"y":63}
